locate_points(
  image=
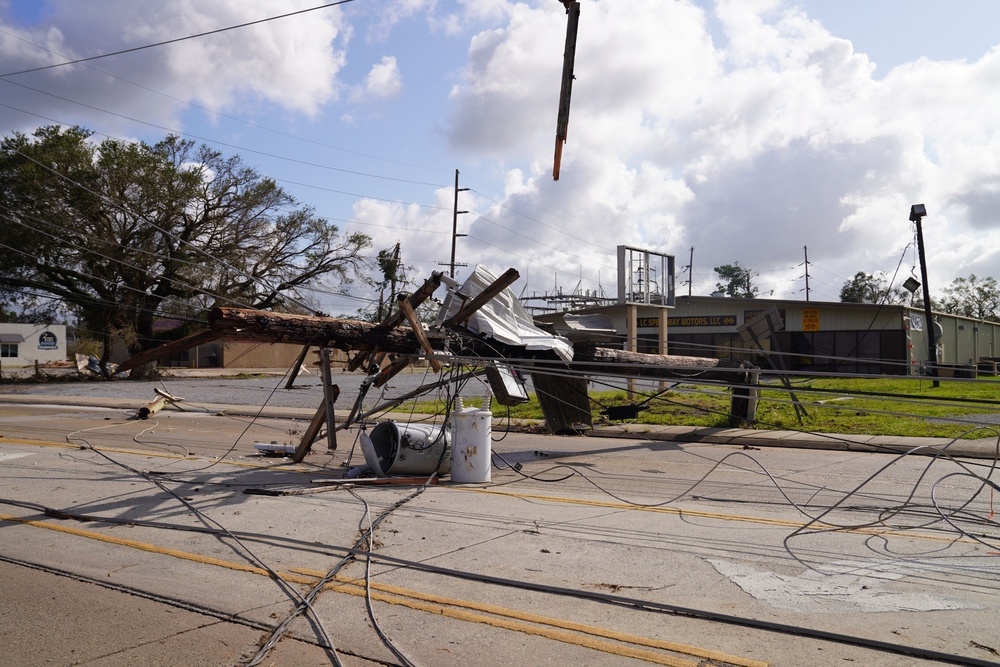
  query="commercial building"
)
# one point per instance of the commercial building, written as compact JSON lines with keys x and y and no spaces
{"x":821,"y":337}
{"x":25,"y":344}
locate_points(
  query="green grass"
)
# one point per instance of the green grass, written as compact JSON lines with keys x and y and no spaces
{"x":891,"y":406}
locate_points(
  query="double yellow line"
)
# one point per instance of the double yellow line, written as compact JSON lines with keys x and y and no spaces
{"x":569,"y":632}
{"x":720,"y":516}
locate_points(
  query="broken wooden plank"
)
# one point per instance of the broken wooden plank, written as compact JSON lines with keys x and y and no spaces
{"x":297,"y":366}
{"x":418,"y":331}
{"x":417,"y":298}
{"x":167,"y":349}
{"x":391,"y":371}
{"x":413,"y":301}
{"x":315,"y":425}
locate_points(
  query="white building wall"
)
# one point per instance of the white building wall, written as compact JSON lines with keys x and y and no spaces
{"x":24,"y":344}
{"x":959,"y":340}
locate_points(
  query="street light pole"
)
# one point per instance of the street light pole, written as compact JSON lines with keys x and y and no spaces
{"x":917,"y":213}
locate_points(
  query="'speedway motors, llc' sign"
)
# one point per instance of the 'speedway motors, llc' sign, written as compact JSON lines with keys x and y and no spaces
{"x":689,"y":321}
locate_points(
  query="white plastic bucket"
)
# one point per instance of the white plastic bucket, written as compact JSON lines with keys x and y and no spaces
{"x":471,"y":445}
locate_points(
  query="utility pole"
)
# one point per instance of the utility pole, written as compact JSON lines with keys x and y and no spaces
{"x":390,"y":272}
{"x":566,"y":87}
{"x":749,"y":293}
{"x":690,"y":270}
{"x":917,"y":212}
{"x":454,"y":227}
{"x":805,"y":249}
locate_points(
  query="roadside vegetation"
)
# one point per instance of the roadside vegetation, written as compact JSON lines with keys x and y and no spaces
{"x":892,"y":406}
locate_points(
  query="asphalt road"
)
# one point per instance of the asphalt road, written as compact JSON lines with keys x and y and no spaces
{"x":132,"y":542}
{"x":262,"y":388}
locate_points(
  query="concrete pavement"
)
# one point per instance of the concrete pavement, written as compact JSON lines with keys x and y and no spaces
{"x":130,"y":541}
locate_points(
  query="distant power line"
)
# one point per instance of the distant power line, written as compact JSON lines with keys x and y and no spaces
{"x":175,"y":40}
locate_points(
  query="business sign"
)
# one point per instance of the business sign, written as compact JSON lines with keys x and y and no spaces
{"x":810,"y":319}
{"x":48,"y":341}
{"x":702,"y":321}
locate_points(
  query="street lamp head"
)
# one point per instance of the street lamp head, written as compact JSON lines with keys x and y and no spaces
{"x":917,"y":211}
{"x":911,"y":285}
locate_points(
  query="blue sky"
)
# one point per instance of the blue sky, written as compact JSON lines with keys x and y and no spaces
{"x":746,"y":129}
{"x":893,"y":32}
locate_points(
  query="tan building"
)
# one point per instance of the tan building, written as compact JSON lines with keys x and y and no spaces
{"x":827,"y":337}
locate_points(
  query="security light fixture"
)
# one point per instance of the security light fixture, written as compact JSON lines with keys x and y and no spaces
{"x":911,"y":285}
{"x":917,"y":211}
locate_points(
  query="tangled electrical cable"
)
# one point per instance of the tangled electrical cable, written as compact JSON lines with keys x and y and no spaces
{"x":284,"y":586}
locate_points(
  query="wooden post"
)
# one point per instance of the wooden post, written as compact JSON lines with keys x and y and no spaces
{"x":418,"y":331}
{"x":484,"y":297}
{"x":631,"y":340}
{"x":329,"y":396}
{"x":661,"y":334}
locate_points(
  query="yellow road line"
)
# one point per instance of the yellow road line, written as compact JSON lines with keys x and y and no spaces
{"x":546,"y":620}
{"x":135,"y":544}
{"x":154,"y":454}
{"x":510,"y":619}
{"x":785,"y":523}
{"x":38,"y":443}
{"x":645,"y":508}
{"x":508,"y":623}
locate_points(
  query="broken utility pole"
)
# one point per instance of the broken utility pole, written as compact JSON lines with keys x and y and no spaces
{"x":566,"y":89}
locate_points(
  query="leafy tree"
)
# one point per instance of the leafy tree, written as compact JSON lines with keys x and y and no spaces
{"x":125,"y":233}
{"x":872,"y":288}
{"x":737,"y":281}
{"x":972,"y":297}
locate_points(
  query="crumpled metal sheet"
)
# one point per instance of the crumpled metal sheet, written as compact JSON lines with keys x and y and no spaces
{"x":504,"y":319}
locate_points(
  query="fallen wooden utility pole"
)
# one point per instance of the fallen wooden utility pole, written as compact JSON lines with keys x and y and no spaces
{"x":266,"y":326}
{"x":590,"y":358}
{"x":561,"y":385}
{"x":346,"y":334}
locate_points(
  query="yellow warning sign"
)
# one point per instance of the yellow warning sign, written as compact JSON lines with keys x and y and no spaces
{"x":810,"y":319}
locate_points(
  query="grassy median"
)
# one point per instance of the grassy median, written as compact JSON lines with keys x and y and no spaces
{"x":876,"y":406}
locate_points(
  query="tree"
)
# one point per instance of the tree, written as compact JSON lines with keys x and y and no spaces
{"x":872,"y":288}
{"x":972,"y":297}
{"x":737,"y":281}
{"x":125,"y":233}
